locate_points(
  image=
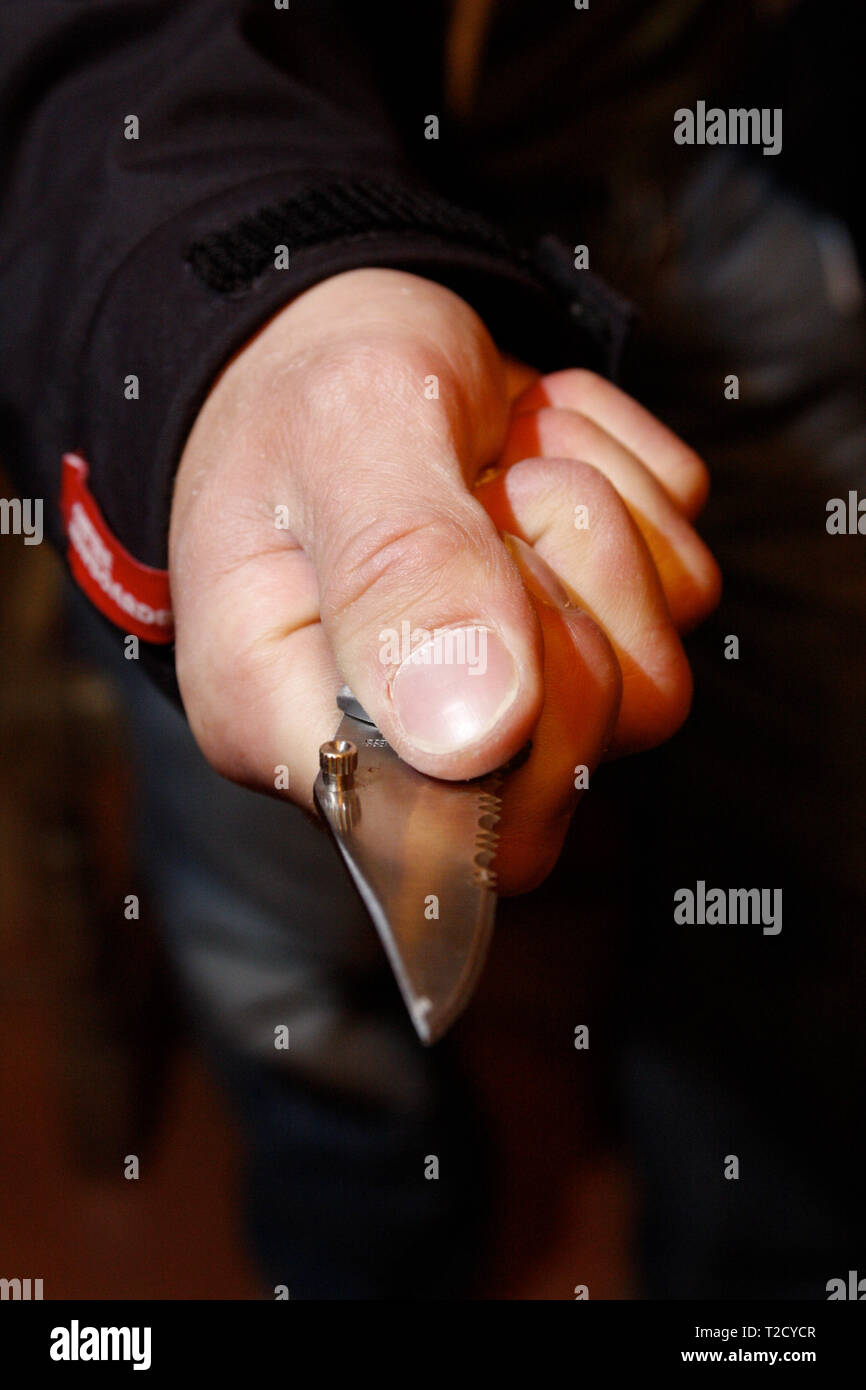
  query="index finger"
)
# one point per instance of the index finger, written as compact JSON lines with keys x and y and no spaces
{"x":678,"y":468}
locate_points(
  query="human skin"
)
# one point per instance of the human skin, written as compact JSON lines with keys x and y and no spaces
{"x":445,"y":512}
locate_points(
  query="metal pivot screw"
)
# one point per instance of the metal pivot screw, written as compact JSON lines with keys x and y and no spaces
{"x":338,"y":759}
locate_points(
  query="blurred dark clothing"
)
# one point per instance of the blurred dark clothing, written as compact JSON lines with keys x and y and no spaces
{"x":563,"y":102}
{"x":740,"y":1043}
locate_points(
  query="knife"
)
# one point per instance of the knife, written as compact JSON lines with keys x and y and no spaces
{"x":420,"y":852}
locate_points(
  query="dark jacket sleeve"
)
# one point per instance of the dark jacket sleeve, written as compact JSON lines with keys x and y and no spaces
{"x":158,"y":151}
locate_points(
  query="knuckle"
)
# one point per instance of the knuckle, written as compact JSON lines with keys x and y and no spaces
{"x":527,"y":868}
{"x":546,"y":491}
{"x":694,"y":592}
{"x":678,"y":702}
{"x":605,"y":661}
{"x":613,"y":524}
{"x":530,"y":854}
{"x":665,"y":711}
{"x":694,"y":480}
{"x":352,"y":375}
{"x":391,"y":360}
{"x":567,"y":432}
{"x":533,"y":479}
{"x":708,"y":582}
{"x":401,"y":558}
{"x":713,"y":583}
{"x":577,"y":384}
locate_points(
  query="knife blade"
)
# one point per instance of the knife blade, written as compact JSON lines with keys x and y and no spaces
{"x":420,"y":852}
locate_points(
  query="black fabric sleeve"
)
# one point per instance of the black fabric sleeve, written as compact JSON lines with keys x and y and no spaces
{"x":155,"y":256}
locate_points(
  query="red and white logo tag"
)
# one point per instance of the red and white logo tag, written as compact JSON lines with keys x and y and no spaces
{"x":133,"y":596}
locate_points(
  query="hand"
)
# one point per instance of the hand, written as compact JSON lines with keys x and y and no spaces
{"x":326,"y":510}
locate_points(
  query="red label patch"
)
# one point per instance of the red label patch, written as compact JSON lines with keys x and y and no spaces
{"x":133,"y":596}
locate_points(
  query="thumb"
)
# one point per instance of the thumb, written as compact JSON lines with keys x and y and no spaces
{"x":423,"y":607}
{"x":431,"y":626}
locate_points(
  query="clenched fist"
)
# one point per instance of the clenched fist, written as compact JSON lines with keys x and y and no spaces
{"x":372,"y":494}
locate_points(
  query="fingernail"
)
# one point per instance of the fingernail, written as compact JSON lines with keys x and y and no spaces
{"x":453,"y":688}
{"x":539,"y":578}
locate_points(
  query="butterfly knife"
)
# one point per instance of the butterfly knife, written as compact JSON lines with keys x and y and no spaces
{"x":420,"y":852}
